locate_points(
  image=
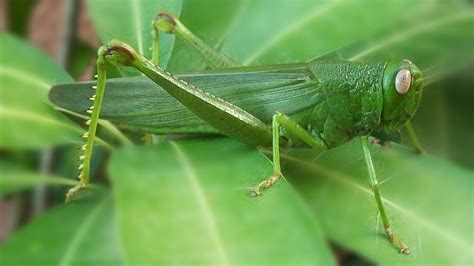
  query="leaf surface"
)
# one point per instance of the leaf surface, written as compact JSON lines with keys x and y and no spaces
{"x":26,"y":118}
{"x":427,"y":39}
{"x":212,"y":21}
{"x":188,"y":209}
{"x":298,"y":31}
{"x":80,"y":233}
{"x":428,"y":201}
{"x":14,"y":178}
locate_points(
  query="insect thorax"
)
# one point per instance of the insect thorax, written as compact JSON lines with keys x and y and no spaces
{"x":351,"y":100}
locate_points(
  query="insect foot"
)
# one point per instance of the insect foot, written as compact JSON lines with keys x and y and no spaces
{"x":404,"y":249}
{"x":264,"y":185}
{"x":73,"y":191}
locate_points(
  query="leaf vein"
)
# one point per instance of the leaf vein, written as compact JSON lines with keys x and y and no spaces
{"x":203,"y":204}
{"x":81,"y":233}
{"x":433,"y":25}
{"x":344,"y":179}
{"x":315,"y":13}
{"x":18,"y":74}
{"x":35,"y":117}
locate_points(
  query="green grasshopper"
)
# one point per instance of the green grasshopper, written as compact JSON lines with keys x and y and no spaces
{"x":319,"y":104}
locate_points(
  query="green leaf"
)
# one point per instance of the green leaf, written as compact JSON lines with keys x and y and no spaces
{"x":427,"y":39}
{"x":428,"y":200}
{"x":288,"y":31}
{"x":176,"y":205}
{"x":15,"y":178}
{"x":79,"y":233}
{"x":130,"y":21}
{"x":212,"y":27}
{"x":26,"y":118}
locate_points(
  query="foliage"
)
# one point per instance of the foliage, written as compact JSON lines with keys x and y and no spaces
{"x":186,"y":201}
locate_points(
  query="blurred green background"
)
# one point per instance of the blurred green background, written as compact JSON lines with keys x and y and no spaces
{"x":186,"y":201}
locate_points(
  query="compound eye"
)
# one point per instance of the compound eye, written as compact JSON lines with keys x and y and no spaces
{"x":402,"y":81}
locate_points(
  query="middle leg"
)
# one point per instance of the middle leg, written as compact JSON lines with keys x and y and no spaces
{"x":283,"y":121}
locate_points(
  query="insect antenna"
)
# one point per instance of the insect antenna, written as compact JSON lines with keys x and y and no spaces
{"x":429,"y":75}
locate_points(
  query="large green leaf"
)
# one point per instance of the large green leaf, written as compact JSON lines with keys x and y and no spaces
{"x":213,"y":27}
{"x":130,"y":21}
{"x":292,"y":31}
{"x":79,"y":233}
{"x":429,"y":202}
{"x":176,"y":205}
{"x":427,"y":39}
{"x":26,"y":118}
{"x":177,"y":212}
{"x":15,"y":178}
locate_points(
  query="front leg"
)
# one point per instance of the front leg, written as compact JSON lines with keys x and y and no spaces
{"x":414,"y":139}
{"x":283,"y":121}
{"x":94,"y":111}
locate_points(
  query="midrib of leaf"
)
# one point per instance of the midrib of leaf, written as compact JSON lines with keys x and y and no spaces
{"x":106,"y":124}
{"x":403,"y":35}
{"x":21,"y":75}
{"x":24,"y":77}
{"x":315,"y":13}
{"x":136,"y":22}
{"x":5,"y":111}
{"x":29,"y":179}
{"x":37,"y":118}
{"x":344,"y":179}
{"x":203,"y":204}
{"x":81,"y":232}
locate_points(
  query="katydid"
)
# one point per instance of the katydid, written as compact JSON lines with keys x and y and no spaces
{"x":318,"y":103}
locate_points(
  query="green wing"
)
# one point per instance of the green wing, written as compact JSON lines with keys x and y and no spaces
{"x":140,"y":104}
